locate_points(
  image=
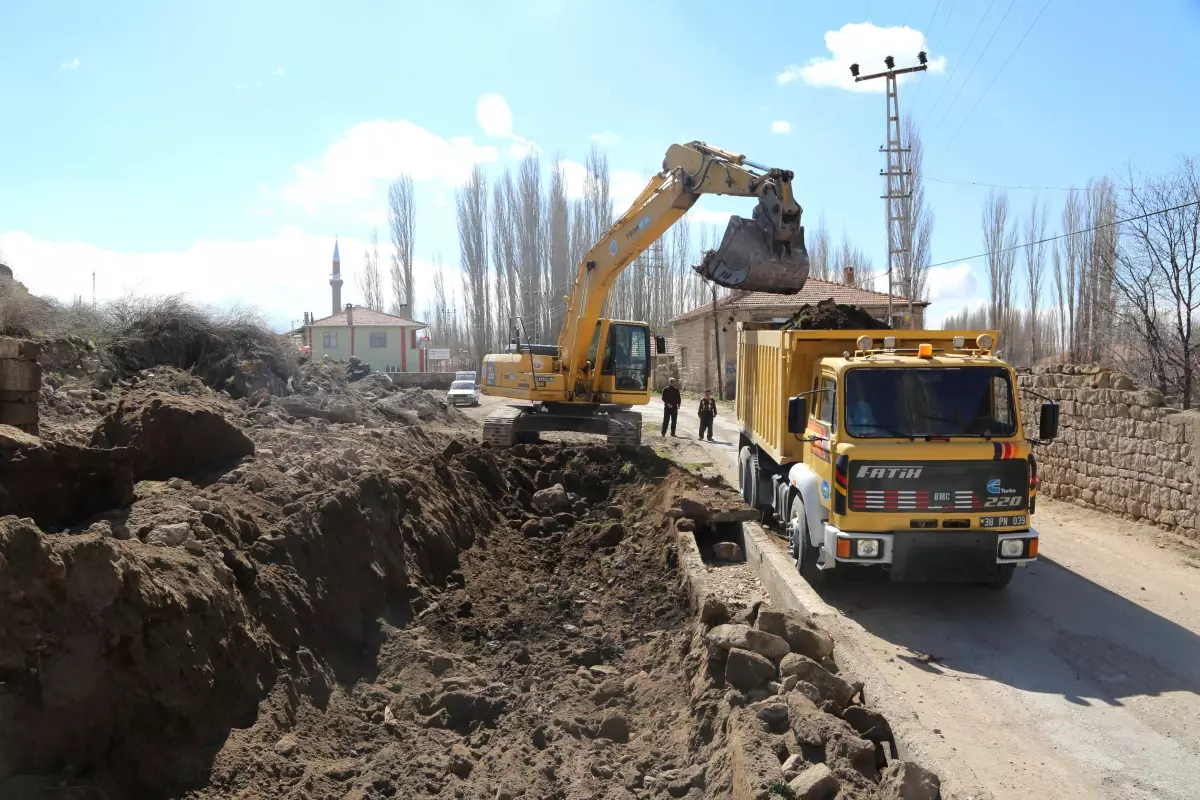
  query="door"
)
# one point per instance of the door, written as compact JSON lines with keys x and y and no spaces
{"x":822,"y":425}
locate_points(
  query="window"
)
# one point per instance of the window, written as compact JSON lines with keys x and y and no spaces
{"x":627,"y":356}
{"x":826,"y":401}
{"x":594,"y":347}
{"x":378,"y":338}
{"x":329,"y":340}
{"x":683,"y":358}
{"x":934,"y":401}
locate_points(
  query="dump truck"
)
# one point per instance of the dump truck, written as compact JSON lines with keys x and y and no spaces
{"x":901,"y":449}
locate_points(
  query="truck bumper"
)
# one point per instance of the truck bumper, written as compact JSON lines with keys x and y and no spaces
{"x":930,"y":555}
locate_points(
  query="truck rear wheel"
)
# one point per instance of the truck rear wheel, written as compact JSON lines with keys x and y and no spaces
{"x":801,"y":548}
{"x":1004,"y":575}
{"x":748,"y":476}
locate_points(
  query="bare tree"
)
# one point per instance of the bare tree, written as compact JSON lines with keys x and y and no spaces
{"x":819,"y":252}
{"x":471,"y":202}
{"x":856,"y":259}
{"x":527,"y":215}
{"x":1035,"y":268}
{"x":999,"y":239}
{"x":402,"y":221}
{"x":1098,"y":245}
{"x":370,"y":284}
{"x":919,"y":215}
{"x":561,"y":267}
{"x":504,"y":255}
{"x":1158,"y":273}
{"x":1069,"y":267}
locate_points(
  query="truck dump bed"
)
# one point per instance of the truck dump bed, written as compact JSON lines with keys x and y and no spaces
{"x":775,"y":365}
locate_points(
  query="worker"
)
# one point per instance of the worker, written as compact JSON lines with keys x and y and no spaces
{"x":671,"y":401}
{"x":708,"y":411}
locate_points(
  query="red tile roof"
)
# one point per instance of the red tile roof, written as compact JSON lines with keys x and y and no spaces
{"x":814,"y":291}
{"x":366,"y":316}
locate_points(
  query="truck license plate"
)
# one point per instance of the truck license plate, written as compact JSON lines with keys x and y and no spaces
{"x":1014,"y":520}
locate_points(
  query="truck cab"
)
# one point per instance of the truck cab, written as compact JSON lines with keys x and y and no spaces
{"x":899,"y":449}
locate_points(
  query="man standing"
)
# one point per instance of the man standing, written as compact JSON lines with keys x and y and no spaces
{"x":671,"y":401}
{"x":708,"y":411}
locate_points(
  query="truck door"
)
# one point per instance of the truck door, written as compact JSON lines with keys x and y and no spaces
{"x":822,"y":425}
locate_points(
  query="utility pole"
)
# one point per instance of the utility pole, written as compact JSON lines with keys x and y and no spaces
{"x":899,"y":224}
{"x":717,"y":342}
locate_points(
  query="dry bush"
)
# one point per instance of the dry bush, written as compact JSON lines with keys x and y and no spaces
{"x":22,"y":314}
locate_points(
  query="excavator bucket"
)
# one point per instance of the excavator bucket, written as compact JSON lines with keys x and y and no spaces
{"x":751,"y":259}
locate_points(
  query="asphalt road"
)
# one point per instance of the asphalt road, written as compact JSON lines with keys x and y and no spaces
{"x":1081,"y":680}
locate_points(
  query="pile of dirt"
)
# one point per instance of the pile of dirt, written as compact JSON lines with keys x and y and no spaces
{"x":827,"y":315}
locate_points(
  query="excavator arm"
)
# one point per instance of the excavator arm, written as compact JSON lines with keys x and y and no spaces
{"x":765,"y":253}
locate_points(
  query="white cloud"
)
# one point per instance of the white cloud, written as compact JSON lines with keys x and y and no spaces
{"x":371,"y":152}
{"x":864,"y":44}
{"x":264,"y":211}
{"x":283,"y":276}
{"x":709,"y":216}
{"x":72,"y":64}
{"x":781,"y":126}
{"x":574,"y":176}
{"x":606,"y":138}
{"x":278,"y":73}
{"x":494,"y":116}
{"x":952,"y":284}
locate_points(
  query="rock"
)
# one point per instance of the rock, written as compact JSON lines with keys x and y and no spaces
{"x":804,"y":688}
{"x":772,"y":621}
{"x":802,"y":636}
{"x":461,"y":761}
{"x":774,"y":716}
{"x":169,"y":535}
{"x":552,"y":500}
{"x":614,"y":727}
{"x":792,"y":766}
{"x":904,"y":780}
{"x":830,"y":686}
{"x":673,"y":513}
{"x":728,"y":551}
{"x":788,"y":684}
{"x":690,"y":507}
{"x":532,"y":528}
{"x":685,"y":525}
{"x":872,"y":726}
{"x":714,"y":612}
{"x":613,"y":512}
{"x":172,"y":436}
{"x":287,"y":745}
{"x":766,"y":644}
{"x":454,"y":448}
{"x":815,"y":783}
{"x":746,"y":670}
{"x":194,"y":546}
{"x":859,"y":752}
{"x":611,"y":535}
{"x":728,"y":636}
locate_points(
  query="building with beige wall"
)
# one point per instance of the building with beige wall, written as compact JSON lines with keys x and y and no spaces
{"x":696,"y":332}
{"x":386,"y":342}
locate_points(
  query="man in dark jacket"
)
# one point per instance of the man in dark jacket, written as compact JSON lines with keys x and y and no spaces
{"x":708,"y":411}
{"x":671,"y":401}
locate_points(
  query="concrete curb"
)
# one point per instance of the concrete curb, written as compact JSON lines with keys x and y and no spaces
{"x":778,"y":575}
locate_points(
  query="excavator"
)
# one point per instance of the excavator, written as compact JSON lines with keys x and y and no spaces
{"x":600,"y":368}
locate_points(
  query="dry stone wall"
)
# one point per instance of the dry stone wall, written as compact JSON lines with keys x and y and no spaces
{"x":20,"y":383}
{"x":1119,"y":447}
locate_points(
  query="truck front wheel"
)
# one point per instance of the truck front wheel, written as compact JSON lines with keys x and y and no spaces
{"x":801,"y":548}
{"x":1004,"y":575}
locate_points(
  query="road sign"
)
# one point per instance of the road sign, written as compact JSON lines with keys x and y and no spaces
{"x":439,"y":353}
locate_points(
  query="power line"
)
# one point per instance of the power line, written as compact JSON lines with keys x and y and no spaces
{"x":946,"y":146}
{"x":1000,"y":185}
{"x":961,"y":56}
{"x":924,"y":43}
{"x":982,"y":53}
{"x":1065,"y":235}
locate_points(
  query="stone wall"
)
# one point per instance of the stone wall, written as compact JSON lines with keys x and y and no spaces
{"x":20,"y":383}
{"x":1119,"y":448}
{"x":424,"y":380}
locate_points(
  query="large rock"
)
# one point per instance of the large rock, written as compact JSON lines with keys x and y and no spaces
{"x":746,"y":670}
{"x":904,"y":780}
{"x":829,"y":685}
{"x":815,"y":783}
{"x":552,"y":500}
{"x":730,"y":635}
{"x":172,"y":436}
{"x":802,"y":636}
{"x":813,"y":727}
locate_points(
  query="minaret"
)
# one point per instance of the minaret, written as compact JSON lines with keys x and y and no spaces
{"x":336,"y":280}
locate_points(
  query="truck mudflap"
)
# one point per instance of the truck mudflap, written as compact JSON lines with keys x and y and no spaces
{"x":944,"y":556}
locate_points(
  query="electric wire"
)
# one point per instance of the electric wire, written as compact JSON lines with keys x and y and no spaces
{"x":925,"y":45}
{"x":961,"y":56}
{"x":982,"y":53}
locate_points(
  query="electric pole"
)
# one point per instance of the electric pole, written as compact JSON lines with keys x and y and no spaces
{"x":897,"y":174}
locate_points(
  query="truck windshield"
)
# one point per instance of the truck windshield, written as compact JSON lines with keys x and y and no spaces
{"x":462,"y":385}
{"x":929,"y":402}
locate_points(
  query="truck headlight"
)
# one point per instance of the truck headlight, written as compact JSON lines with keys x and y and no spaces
{"x":1012,"y":548}
{"x":866,"y":548}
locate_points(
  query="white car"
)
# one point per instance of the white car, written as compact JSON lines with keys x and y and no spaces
{"x":463,"y":393}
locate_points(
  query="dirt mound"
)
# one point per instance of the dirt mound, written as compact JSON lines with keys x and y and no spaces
{"x":830,"y":316}
{"x":172,"y":436}
{"x":427,"y":406}
{"x":57,"y":483}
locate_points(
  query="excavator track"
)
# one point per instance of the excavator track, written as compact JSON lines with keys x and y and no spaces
{"x":624,"y":428}
{"x":500,"y":426}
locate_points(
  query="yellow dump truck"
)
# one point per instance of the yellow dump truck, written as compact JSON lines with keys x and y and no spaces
{"x":900,"y":449}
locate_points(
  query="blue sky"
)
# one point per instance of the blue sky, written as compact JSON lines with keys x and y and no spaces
{"x":218,"y":148}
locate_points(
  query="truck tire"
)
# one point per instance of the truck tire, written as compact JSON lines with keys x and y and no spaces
{"x":1004,"y":575}
{"x":801,"y":549}
{"x":748,"y":476}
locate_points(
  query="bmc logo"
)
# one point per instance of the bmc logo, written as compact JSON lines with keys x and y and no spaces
{"x":901,"y":473}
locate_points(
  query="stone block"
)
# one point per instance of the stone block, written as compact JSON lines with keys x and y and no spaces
{"x":18,"y":414}
{"x":20,"y":376}
{"x":10,"y":347}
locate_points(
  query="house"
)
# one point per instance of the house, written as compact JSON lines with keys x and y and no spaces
{"x":387,"y":343}
{"x":695,"y":331}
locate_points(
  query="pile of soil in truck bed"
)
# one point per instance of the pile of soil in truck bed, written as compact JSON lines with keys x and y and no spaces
{"x":830,"y":316}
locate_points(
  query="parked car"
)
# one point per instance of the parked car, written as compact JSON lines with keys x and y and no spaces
{"x":463,"y":393}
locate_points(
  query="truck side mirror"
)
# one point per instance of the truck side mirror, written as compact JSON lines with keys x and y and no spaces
{"x":660,"y":345}
{"x":1048,"y":424}
{"x":797,"y":414}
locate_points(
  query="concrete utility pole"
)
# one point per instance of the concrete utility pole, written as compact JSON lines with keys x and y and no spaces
{"x":899,"y":224}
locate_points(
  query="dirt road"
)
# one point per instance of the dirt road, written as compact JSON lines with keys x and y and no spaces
{"x":1081,"y":680}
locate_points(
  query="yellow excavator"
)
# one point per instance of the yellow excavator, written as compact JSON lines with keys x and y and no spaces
{"x":600,"y":368}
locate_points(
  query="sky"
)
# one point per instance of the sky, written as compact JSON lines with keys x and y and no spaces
{"x":218,"y":149}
